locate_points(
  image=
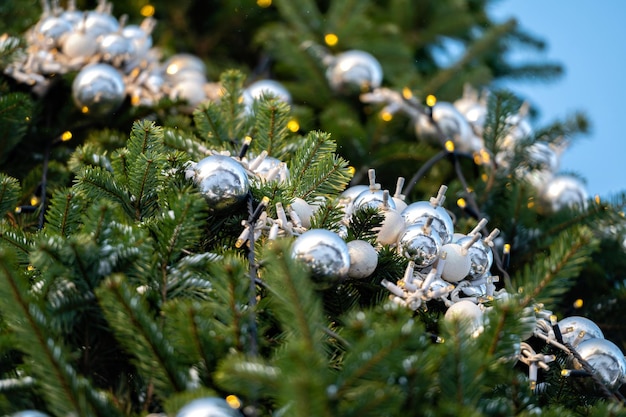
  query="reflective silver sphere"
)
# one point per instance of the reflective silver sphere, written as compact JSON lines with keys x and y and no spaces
{"x":442,"y":222}
{"x":606,"y":359}
{"x":418,"y":245}
{"x":208,"y":407}
{"x":481,"y":257}
{"x":98,"y":89}
{"x":577,"y":329}
{"x":354,"y":71}
{"x":324,"y":253}
{"x":222,"y":181}
{"x":372,"y":199}
{"x":563,"y":191}
{"x":453,"y":125}
{"x":97,"y":23}
{"x":179,"y":66}
{"x":265,"y":87}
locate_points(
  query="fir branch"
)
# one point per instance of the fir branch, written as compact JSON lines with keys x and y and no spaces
{"x":211,"y":125}
{"x":15,"y":112}
{"x":16,"y":239}
{"x":66,"y":392}
{"x":10,"y":193}
{"x":175,"y":139}
{"x":270,"y":126}
{"x":96,"y":184}
{"x":64,"y":213}
{"x":128,"y":315}
{"x":231,"y":105}
{"x":144,"y":179}
{"x":551,"y":276}
{"x":304,"y":15}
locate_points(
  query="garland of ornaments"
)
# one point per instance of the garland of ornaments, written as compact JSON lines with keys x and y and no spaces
{"x":115,"y":61}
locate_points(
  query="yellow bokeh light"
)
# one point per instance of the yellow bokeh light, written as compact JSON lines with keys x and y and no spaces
{"x":147,"y":10}
{"x":30,"y":268}
{"x":597,"y":199}
{"x":578,"y":303}
{"x":293,"y":125}
{"x":461,"y":202}
{"x":34,"y":200}
{"x":331,"y":39}
{"x":351,"y":170}
{"x":449,"y":145}
{"x":485,"y":156}
{"x":233,"y":401}
{"x":65,"y":136}
{"x":407,"y":93}
{"x":135,"y":100}
{"x":264,"y":3}
{"x":18,"y":209}
{"x":478,"y":160}
{"x":386,"y":116}
{"x":484,"y":177}
{"x":507,"y":248}
{"x":431,"y":100}
{"x":84,"y":109}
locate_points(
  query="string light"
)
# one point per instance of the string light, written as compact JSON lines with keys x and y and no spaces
{"x":449,"y":145}
{"x":386,"y":116}
{"x":293,"y":125}
{"x":578,"y":303}
{"x":34,"y":200}
{"x":264,"y":3}
{"x":65,"y":136}
{"x":597,"y":199}
{"x":233,"y":401}
{"x":147,"y":10}
{"x":331,"y":39}
{"x":431,"y":100}
{"x":406,"y":93}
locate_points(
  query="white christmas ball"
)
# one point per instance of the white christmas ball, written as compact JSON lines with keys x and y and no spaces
{"x":468,"y":313}
{"x":391,"y":228}
{"x":189,"y":91}
{"x":260,"y":88}
{"x":458,"y":263}
{"x":606,"y":359}
{"x":98,"y":89}
{"x":400,"y":204}
{"x":564,"y":191}
{"x":363,"y":259}
{"x":208,"y":407}
{"x":419,"y":245}
{"x":442,"y":221}
{"x":79,"y":44}
{"x":303,"y":210}
{"x":577,"y":329}
{"x":222,"y":181}
{"x":325,"y":255}
{"x":354,"y":71}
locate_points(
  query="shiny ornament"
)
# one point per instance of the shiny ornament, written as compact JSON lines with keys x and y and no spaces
{"x":564,"y":191}
{"x":260,"y":88}
{"x":98,"y":89}
{"x":98,"y":23}
{"x":114,"y":47}
{"x":180,"y":66}
{"x":325,"y":255}
{"x":451,"y":124}
{"x":442,"y":222}
{"x":480,"y":255}
{"x":189,"y":91}
{"x":420,"y":244}
{"x":50,"y":30}
{"x":303,"y":210}
{"x":577,"y":329}
{"x":222,"y":181}
{"x":391,"y":228}
{"x":208,"y":407}
{"x":373,"y":199}
{"x":363,"y":259}
{"x":354,"y":71}
{"x":458,"y":263}
{"x":79,"y":44}
{"x":474,"y":108}
{"x":606,"y":359}
{"x":468,"y":313}
{"x":139,"y":38}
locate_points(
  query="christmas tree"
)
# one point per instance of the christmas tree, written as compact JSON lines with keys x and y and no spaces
{"x":294,"y":208}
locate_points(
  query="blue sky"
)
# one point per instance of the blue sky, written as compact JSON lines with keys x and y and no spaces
{"x":589,"y":39}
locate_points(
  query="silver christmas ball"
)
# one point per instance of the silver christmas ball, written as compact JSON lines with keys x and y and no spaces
{"x":49,"y":31}
{"x":563,"y":191}
{"x":354,"y":71}
{"x":208,"y":407}
{"x":606,"y":359}
{"x":190,"y":91}
{"x":222,"y":181}
{"x":324,"y":253}
{"x":452,"y":124}
{"x":98,"y":23}
{"x":480,"y":255}
{"x":442,"y":222}
{"x":139,"y":38}
{"x":29,"y":413}
{"x":419,"y":245}
{"x":98,"y":89}
{"x":258,"y":89}
{"x":181,"y":66}
{"x":372,"y":199}
{"x":114,"y":46}
{"x":577,"y":329}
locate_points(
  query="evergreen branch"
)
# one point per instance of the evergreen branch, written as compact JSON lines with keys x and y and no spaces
{"x":17,"y":239}
{"x":66,"y":392}
{"x":64,"y":213}
{"x":10,"y":192}
{"x":253,"y":377}
{"x":143,"y":181}
{"x":97,"y":184}
{"x":304,"y":15}
{"x":15,"y":112}
{"x":145,"y":138}
{"x":479,"y":47}
{"x":342,"y":14}
{"x":128,"y":315}
{"x":175,"y":139}
{"x":552,"y":275}
{"x":231,"y":104}
{"x":328,"y":178}
{"x":270,"y":126}
{"x":210,"y":124}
